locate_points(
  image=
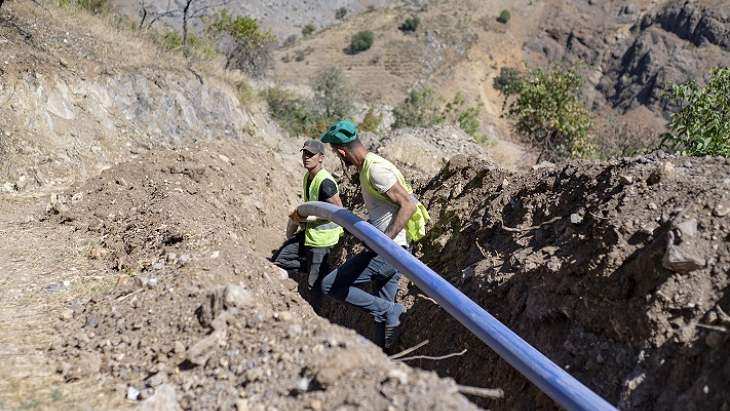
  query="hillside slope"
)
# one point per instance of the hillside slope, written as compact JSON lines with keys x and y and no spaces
{"x":630,"y":53}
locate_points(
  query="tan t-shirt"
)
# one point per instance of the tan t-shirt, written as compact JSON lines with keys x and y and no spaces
{"x":381,"y":213}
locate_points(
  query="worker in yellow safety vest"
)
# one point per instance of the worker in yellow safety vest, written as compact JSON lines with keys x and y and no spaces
{"x":308,"y":249}
{"x":394,"y":210}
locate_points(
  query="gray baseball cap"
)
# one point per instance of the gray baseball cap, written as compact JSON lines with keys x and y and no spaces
{"x":313,"y":146}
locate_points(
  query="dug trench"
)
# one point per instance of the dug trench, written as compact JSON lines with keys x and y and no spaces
{"x":197,"y":316}
{"x":617,"y":271}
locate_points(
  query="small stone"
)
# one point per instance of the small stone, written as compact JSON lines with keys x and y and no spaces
{"x":242,"y":405}
{"x":171,"y":257}
{"x":398,"y":375}
{"x":152,"y":282}
{"x":687,"y":228}
{"x":721,"y":210}
{"x":66,"y":314}
{"x":626,"y":179}
{"x":294,"y":330}
{"x":215,"y":255}
{"x":183,"y":260}
{"x":303,"y":385}
{"x":315,"y":405}
{"x":576,"y":218}
{"x":237,"y":296}
{"x":706,"y":389}
{"x":664,"y":171}
{"x":283,"y":316}
{"x":163,"y":398}
{"x":91,"y":321}
{"x":146,"y":393}
{"x":652,"y":206}
{"x":179,"y":347}
{"x":132,"y":393}
{"x":679,"y":258}
{"x":156,"y":379}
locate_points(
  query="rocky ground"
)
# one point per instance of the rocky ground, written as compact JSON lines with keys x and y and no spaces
{"x":197,"y":309}
{"x":617,"y":271}
{"x":140,"y":201}
{"x":141,"y":197}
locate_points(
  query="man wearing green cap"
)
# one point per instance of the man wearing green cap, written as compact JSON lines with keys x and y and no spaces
{"x":308,"y":251}
{"x":391,"y":208}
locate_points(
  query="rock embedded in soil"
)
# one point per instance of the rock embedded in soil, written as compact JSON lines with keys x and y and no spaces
{"x":237,"y":296}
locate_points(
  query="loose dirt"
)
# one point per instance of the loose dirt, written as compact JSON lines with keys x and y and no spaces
{"x":616,"y":271}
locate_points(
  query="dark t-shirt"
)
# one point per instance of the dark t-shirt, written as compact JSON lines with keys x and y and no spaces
{"x":326,"y":190}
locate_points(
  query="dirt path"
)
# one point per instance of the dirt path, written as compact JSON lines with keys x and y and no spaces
{"x":44,"y":269}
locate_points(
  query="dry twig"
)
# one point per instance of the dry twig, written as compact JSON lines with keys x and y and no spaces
{"x":427,"y":357}
{"x":425,"y":297}
{"x":493,"y":393}
{"x":409,"y":350}
{"x":518,"y":230}
{"x":712,"y":327}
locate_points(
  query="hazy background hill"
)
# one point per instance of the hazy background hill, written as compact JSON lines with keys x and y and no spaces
{"x":629,"y":53}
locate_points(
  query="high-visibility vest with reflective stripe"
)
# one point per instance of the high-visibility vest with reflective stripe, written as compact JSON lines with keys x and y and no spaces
{"x":416,"y":225}
{"x":319,"y":233}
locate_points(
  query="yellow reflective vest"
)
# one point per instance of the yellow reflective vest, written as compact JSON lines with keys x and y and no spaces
{"x":416,"y":225}
{"x":319,"y":233}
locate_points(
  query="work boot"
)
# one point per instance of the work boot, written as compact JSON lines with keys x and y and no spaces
{"x":390,"y":331}
{"x":379,"y":334}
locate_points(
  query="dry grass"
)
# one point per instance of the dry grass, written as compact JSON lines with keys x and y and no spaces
{"x":109,"y":43}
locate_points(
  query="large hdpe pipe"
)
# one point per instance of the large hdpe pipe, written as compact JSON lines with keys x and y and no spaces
{"x":550,"y":378}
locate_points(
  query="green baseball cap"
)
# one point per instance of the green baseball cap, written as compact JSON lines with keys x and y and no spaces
{"x":342,"y":132}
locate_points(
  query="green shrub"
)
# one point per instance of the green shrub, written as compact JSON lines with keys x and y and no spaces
{"x":250,"y":46}
{"x":308,"y":30}
{"x":371,"y":122}
{"x":421,"y":108}
{"x":702,"y":126}
{"x":508,"y":81}
{"x":290,"y":40}
{"x":467,"y":118}
{"x":333,"y":94}
{"x":295,"y":115}
{"x":410,"y":24}
{"x":341,"y":13}
{"x":199,"y":47}
{"x":547,"y":112}
{"x":361,"y":41}
{"x":504,"y":16}
{"x":171,"y":40}
{"x":245,"y":93}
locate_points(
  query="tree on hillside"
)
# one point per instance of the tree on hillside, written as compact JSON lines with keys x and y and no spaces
{"x":191,"y":10}
{"x":421,"y":108}
{"x":361,"y":41}
{"x":546,"y":110}
{"x":246,"y":45}
{"x":333,"y":94}
{"x":702,"y":126}
{"x":149,"y":16}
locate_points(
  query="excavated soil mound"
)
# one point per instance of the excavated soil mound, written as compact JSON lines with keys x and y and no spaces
{"x":616,"y":271}
{"x":197,"y":317}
